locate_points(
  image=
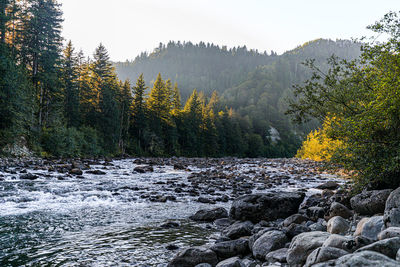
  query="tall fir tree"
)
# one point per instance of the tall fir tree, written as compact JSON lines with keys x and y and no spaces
{"x":139,"y":111}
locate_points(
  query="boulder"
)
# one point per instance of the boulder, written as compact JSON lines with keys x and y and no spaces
{"x":391,"y":216}
{"x":371,"y":227}
{"x":370,"y":202}
{"x":268,"y":242}
{"x":303,"y":244}
{"x":28,"y":176}
{"x":277,"y":255}
{"x":357,"y":242}
{"x":323,"y":254}
{"x":295,"y":218}
{"x":231,"y":248}
{"x":143,"y":169}
{"x":341,"y":210}
{"x":231,"y":262}
{"x":96,"y":172}
{"x":337,"y":241}
{"x":388,"y":247}
{"x":314,"y":213}
{"x":389,"y":232}
{"x":296,"y":229}
{"x":238,"y":229}
{"x":328,"y":185}
{"x":190,"y":257}
{"x":338,"y":225}
{"x":76,"y":171}
{"x":267,"y":206}
{"x":209,"y":215}
{"x":365,"y":259}
{"x":360,"y":226}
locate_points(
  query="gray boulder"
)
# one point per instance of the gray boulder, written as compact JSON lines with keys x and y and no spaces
{"x":231,"y":248}
{"x":338,"y":225}
{"x":268,"y":242}
{"x":388,"y":247}
{"x":365,"y":259}
{"x":391,"y":216}
{"x":231,"y":262}
{"x":370,"y":202}
{"x":341,"y":210}
{"x":267,"y":206}
{"x":337,"y":241}
{"x":303,"y":244}
{"x":323,"y":254}
{"x":193,"y":256}
{"x":238,"y":229}
{"x":295,"y":218}
{"x":372,"y":227}
{"x":389,"y":232}
{"x":277,"y":255}
{"x":209,"y":215}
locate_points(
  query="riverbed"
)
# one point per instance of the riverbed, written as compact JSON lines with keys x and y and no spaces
{"x":118,"y":217}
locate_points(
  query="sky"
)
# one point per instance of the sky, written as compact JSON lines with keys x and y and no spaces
{"x":129,"y":27}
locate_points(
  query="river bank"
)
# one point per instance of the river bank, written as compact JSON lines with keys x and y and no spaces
{"x":128,"y":212}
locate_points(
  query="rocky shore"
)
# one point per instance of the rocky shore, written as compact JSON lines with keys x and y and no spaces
{"x":292,"y":229}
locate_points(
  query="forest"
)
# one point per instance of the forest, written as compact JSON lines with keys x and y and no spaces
{"x":183,"y":99}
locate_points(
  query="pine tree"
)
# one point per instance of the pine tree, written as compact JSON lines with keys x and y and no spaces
{"x":125,"y":106}
{"x":139,"y":110}
{"x":176,"y":99}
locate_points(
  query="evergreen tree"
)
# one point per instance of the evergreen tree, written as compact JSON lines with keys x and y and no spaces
{"x":139,"y":110}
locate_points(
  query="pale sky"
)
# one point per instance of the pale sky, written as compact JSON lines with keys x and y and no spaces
{"x":128,"y":27}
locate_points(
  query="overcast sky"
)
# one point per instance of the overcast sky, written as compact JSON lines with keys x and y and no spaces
{"x":128,"y":27}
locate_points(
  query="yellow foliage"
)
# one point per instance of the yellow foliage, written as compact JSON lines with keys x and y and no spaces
{"x":318,"y":146}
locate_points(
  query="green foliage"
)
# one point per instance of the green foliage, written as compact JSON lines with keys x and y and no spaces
{"x":363,"y":97}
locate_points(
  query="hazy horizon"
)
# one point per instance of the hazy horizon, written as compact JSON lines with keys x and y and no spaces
{"x":128,"y":28}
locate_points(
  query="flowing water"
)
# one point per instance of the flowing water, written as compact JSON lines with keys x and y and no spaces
{"x":98,"y":220}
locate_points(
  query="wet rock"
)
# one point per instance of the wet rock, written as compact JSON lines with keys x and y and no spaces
{"x":96,"y":172}
{"x":172,"y":247}
{"x":323,"y":254}
{"x":231,"y":262}
{"x":370,"y":227}
{"x":28,"y":176}
{"x":314,"y":213}
{"x":223,"y":222}
{"x":192,"y":256}
{"x":391,"y":216}
{"x":268,"y":206}
{"x":206,"y":200}
{"x":389,"y":233}
{"x":295,"y":218}
{"x":238,"y":229}
{"x":338,"y":241}
{"x":328,"y":185}
{"x":76,"y":171}
{"x":209,"y":215}
{"x":231,"y":248}
{"x":178,"y":166}
{"x":143,"y":169}
{"x":268,"y":242}
{"x":277,"y":255}
{"x":170,"y":224}
{"x":370,"y":202}
{"x":296,"y":229}
{"x":388,"y":247}
{"x":303,"y":244}
{"x":338,"y":225}
{"x":338,"y":209}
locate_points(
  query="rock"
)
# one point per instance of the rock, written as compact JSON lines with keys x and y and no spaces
{"x":295,"y":218}
{"x":143,"y":169}
{"x":28,"y":176}
{"x":250,"y":262}
{"x":206,"y":200}
{"x":231,"y":262}
{"x":314,"y":213}
{"x":391,"y":216}
{"x":96,"y":172}
{"x":370,"y":202}
{"x":172,"y":247}
{"x":192,"y":256}
{"x":277,"y":255}
{"x":268,"y":242}
{"x":231,"y":248}
{"x":223,"y":222}
{"x":338,"y":225}
{"x":357,"y":242}
{"x":388,"y":247}
{"x":296,"y":229}
{"x":238,"y":229}
{"x":258,"y":234}
{"x":170,"y":224}
{"x":338,"y":209}
{"x":203,"y":265}
{"x":318,"y":226}
{"x":389,"y":232}
{"x":365,"y":259}
{"x":360,"y":226}
{"x":268,"y":206}
{"x":76,"y":171}
{"x":372,"y":227}
{"x":328,"y":185}
{"x":337,"y":241}
{"x":303,"y":244}
{"x":323,"y":254}
{"x":209,"y":215}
